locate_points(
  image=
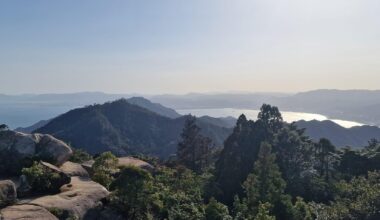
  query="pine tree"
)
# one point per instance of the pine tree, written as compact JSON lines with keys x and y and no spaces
{"x":264,"y":184}
{"x":194,"y":149}
{"x":324,"y":150}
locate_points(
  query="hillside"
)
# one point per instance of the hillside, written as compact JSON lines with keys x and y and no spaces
{"x":340,"y":136}
{"x":154,"y":107}
{"x":124,"y":128}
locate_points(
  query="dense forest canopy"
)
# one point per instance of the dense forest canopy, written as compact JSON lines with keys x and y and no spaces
{"x":268,"y":169}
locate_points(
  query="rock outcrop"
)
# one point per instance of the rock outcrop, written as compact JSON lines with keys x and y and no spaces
{"x":26,"y":212}
{"x":74,"y":169}
{"x":76,"y":199}
{"x":18,"y":150}
{"x":8,"y":193}
{"x":122,"y":162}
{"x":131,"y":161}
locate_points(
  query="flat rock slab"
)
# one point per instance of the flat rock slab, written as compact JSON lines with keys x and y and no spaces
{"x":76,"y":198}
{"x":26,"y":212}
{"x":74,"y":169}
{"x":131,"y":161}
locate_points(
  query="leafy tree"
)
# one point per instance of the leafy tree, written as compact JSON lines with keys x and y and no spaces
{"x":263,"y":213}
{"x":180,"y":191}
{"x":104,"y":167}
{"x":134,"y":194}
{"x":194,"y":149}
{"x":217,"y":211}
{"x":357,"y":199}
{"x":301,"y":210}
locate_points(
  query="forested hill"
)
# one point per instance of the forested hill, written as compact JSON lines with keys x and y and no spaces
{"x":124,"y":128}
{"x":341,"y":137}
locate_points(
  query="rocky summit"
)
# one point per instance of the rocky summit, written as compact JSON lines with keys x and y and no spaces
{"x":18,"y":150}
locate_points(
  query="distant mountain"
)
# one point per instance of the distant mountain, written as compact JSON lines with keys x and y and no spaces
{"x":355,"y":137}
{"x":139,"y":101}
{"x":352,"y":105}
{"x":33,"y":127}
{"x":124,"y":128}
{"x":154,"y":107}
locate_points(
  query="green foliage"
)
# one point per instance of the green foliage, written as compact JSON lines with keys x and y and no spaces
{"x":263,"y":213}
{"x":123,"y":128}
{"x":294,"y":156}
{"x":265,"y":183}
{"x":134,"y":194}
{"x":357,"y":199}
{"x":104,"y":166}
{"x":301,"y":210}
{"x":180,"y":190}
{"x":80,"y":156}
{"x":217,"y":211}
{"x":241,"y":150}
{"x":194,"y":150}
{"x":277,"y":171}
{"x":325,"y":157}
{"x":265,"y":186}
{"x":240,"y":210}
{"x":41,"y":179}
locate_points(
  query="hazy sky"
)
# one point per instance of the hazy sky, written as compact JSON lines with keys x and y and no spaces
{"x":179,"y":46}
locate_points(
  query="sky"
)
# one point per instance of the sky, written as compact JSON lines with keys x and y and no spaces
{"x":180,"y":46}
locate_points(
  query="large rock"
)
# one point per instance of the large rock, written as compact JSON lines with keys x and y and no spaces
{"x":17,"y":150}
{"x":8,"y":193}
{"x":122,"y":162}
{"x":131,"y":161}
{"x":26,"y":212}
{"x":74,"y":169}
{"x":76,"y":199}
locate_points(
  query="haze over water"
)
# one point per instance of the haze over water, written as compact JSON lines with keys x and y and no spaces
{"x":252,"y":114}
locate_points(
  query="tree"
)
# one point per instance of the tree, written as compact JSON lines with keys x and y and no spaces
{"x":301,"y":210}
{"x":104,"y":167}
{"x":134,"y":194}
{"x":194,"y":150}
{"x":355,"y":199}
{"x":217,"y":211}
{"x":180,"y":191}
{"x":271,"y":117}
{"x":241,"y":149}
{"x":263,"y":213}
{"x":324,"y":150}
{"x":294,"y":156}
{"x":265,"y":184}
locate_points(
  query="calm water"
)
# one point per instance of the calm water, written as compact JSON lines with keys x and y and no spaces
{"x":252,"y":114}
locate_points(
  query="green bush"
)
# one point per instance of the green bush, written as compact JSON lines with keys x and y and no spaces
{"x":41,"y":179}
{"x":80,"y":156}
{"x":104,"y":166}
